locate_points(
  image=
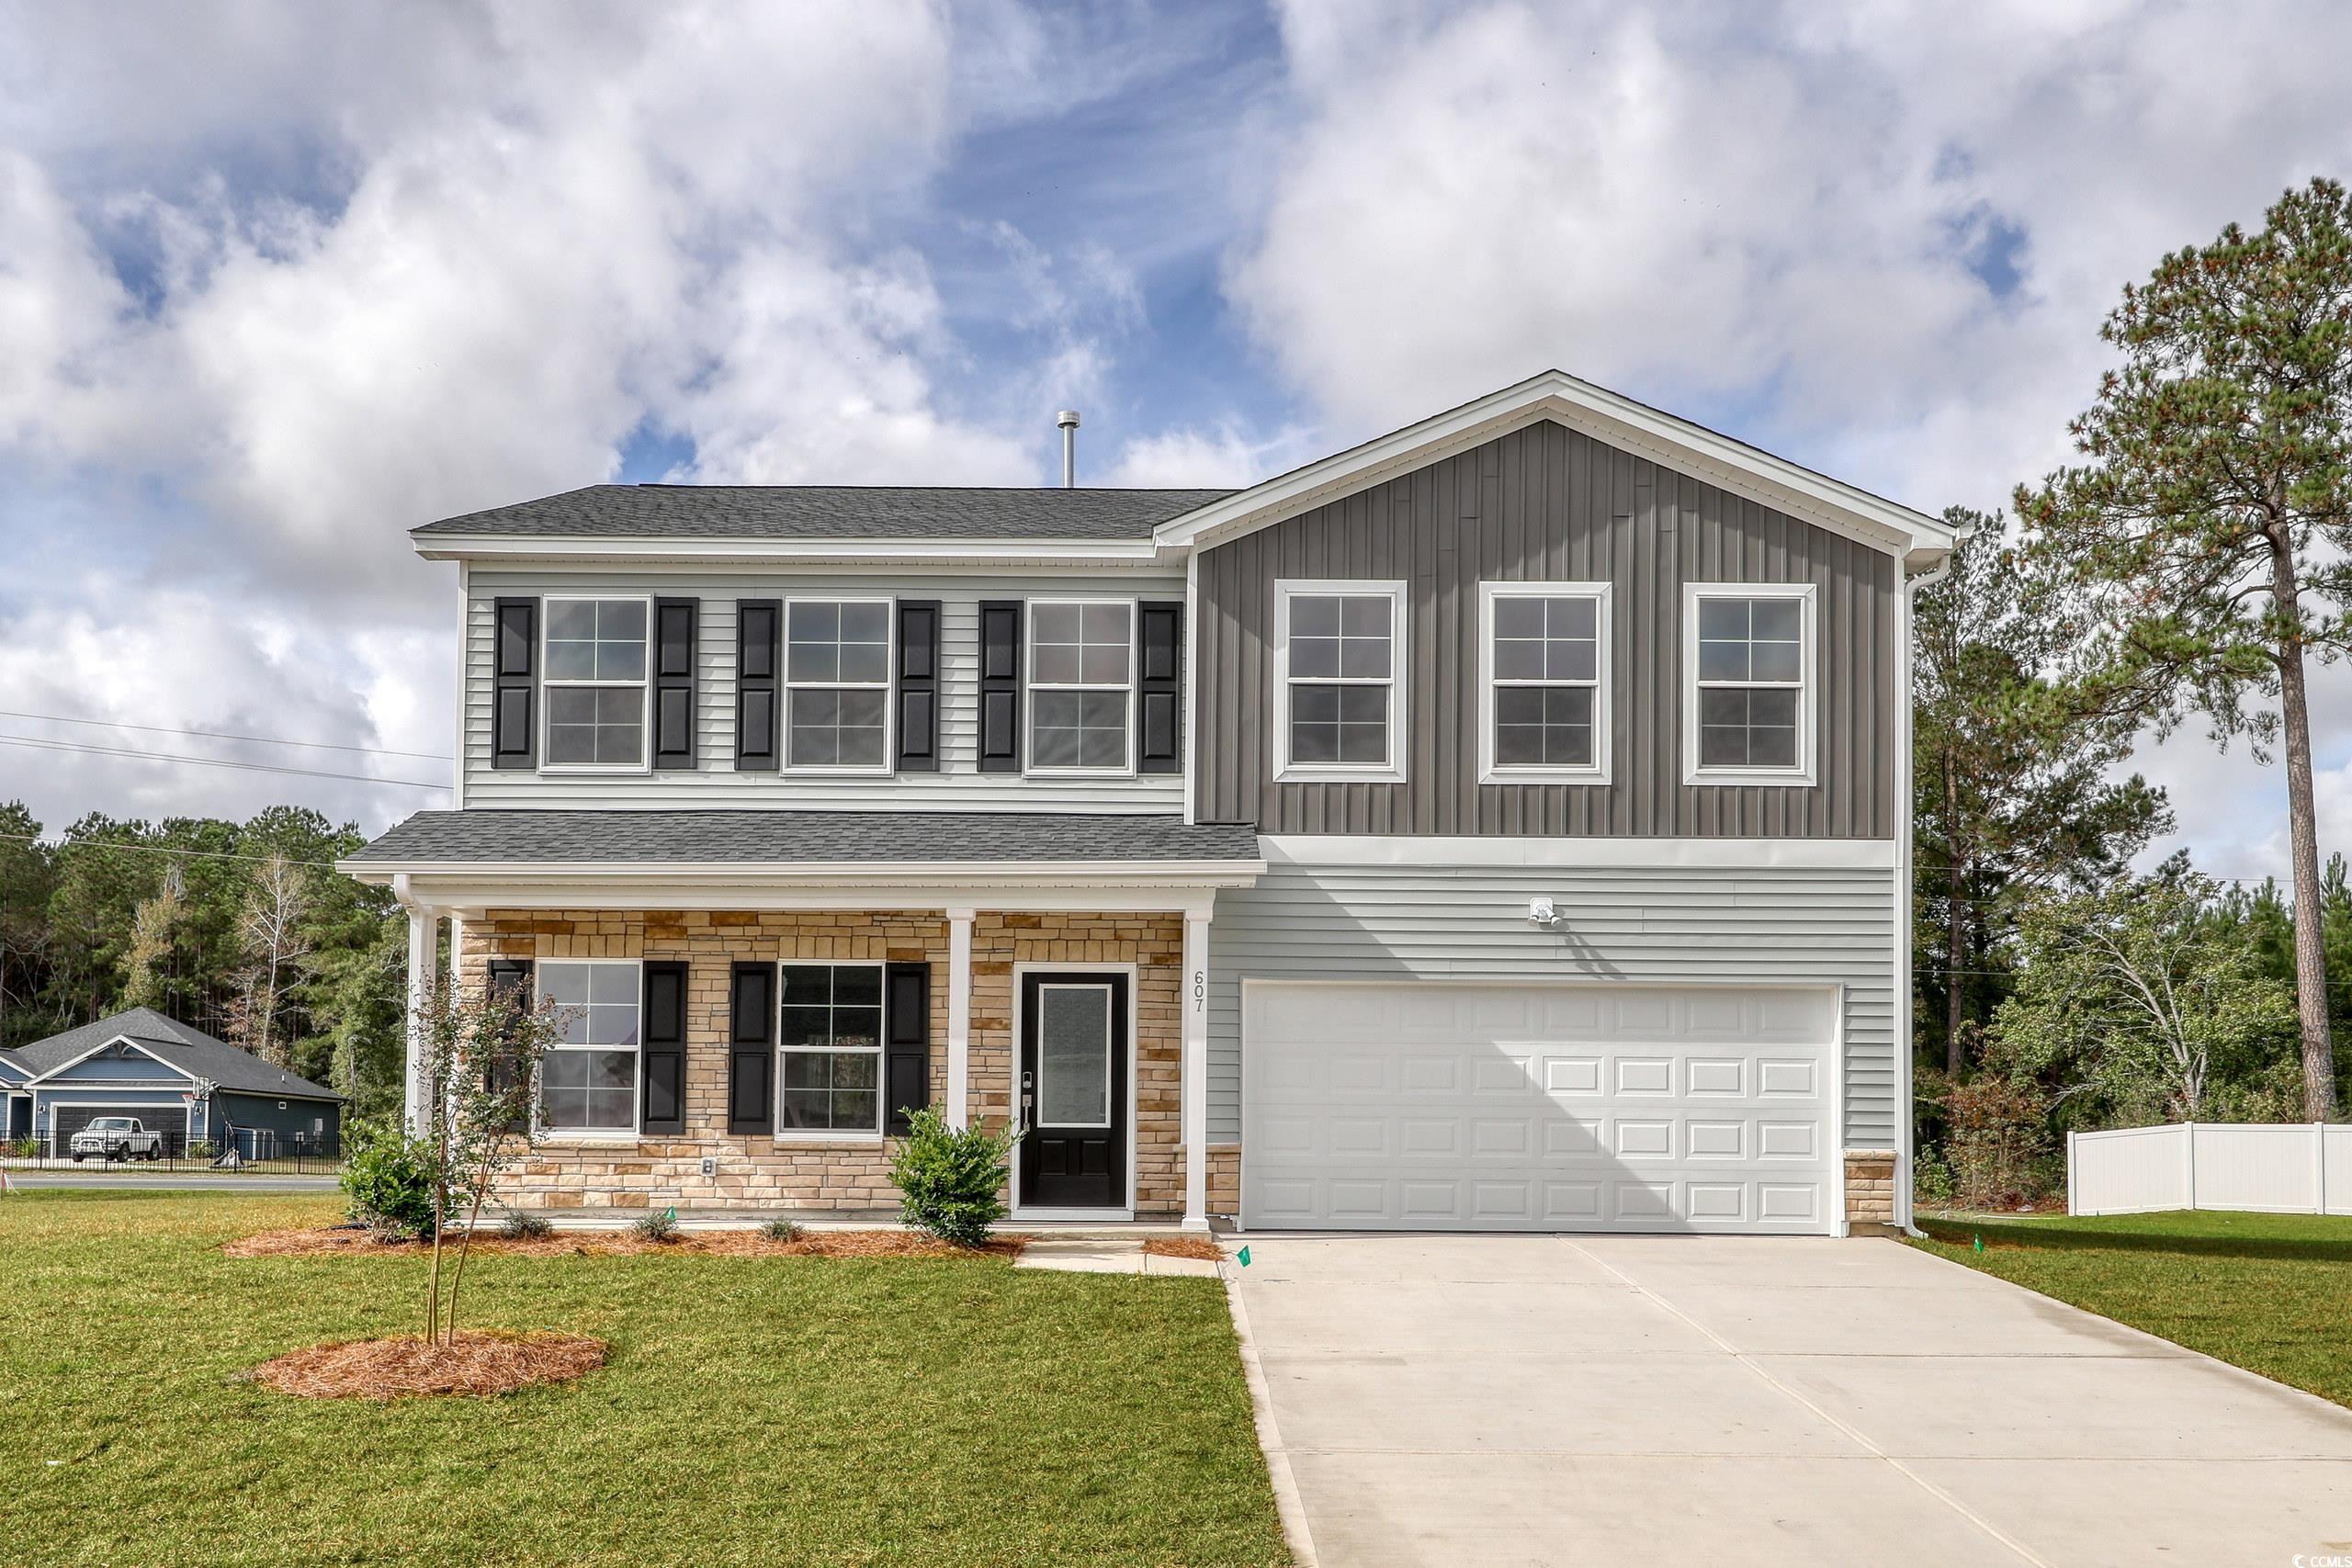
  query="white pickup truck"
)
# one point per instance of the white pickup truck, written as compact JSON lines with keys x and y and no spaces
{"x":116,"y":1137}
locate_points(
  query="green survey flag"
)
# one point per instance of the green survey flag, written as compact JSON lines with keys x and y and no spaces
{"x":1980,"y":1242}
{"x":1244,"y":1255}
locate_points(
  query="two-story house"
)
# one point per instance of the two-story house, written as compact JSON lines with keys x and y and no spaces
{"x":1503,"y":824}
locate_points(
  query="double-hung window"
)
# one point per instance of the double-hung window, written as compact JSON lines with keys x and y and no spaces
{"x":1081,"y":685}
{"x":837,"y":686}
{"x":1748,"y":706}
{"x":830,"y":1076}
{"x":588,"y":1080}
{"x":1544,"y":682}
{"x":595,"y":682}
{"x":1338,"y":701}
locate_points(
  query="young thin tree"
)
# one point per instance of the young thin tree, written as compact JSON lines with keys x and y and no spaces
{"x":2133,"y":993}
{"x":2205,"y":546}
{"x":273,"y":928}
{"x":481,"y":1051}
{"x":2012,"y":771}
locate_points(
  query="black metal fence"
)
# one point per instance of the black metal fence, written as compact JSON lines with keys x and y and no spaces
{"x":238,"y":1150}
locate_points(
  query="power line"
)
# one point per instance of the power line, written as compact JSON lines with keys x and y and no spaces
{"x":210,"y":762}
{"x":161,"y":849}
{"x":221,"y":735}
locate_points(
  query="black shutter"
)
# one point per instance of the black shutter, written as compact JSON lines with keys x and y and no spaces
{"x":917,"y":692}
{"x":510,"y":982}
{"x":751,"y":1049}
{"x":1001,"y":686}
{"x":514,"y":684}
{"x":664,"y":1050}
{"x":676,"y":623}
{"x":1160,"y":686}
{"x":906,"y":1050}
{"x":759,"y":624}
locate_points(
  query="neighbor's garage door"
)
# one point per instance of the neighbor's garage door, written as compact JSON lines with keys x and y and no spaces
{"x":1434,"y":1106}
{"x":169,"y":1118}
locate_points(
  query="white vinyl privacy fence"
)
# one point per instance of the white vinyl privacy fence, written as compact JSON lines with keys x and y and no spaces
{"x":2293,"y":1168}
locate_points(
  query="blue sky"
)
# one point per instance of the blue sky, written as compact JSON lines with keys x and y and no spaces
{"x":278,"y":282}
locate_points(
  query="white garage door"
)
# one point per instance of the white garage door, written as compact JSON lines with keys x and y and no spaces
{"x":1433,"y":1106}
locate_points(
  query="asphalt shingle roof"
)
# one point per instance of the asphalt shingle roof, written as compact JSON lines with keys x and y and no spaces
{"x":831,"y":512}
{"x":785,"y":838}
{"x":190,"y":1050}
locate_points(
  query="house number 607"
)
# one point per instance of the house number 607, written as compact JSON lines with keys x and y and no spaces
{"x":1200,"y":989}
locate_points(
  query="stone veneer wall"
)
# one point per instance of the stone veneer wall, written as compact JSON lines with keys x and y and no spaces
{"x":835,"y":1176}
{"x":1870,"y":1188}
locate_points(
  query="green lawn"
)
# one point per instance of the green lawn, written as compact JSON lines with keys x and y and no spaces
{"x":2269,"y":1293}
{"x":771,"y":1411}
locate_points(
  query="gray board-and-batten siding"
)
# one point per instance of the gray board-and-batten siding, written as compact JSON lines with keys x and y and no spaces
{"x":1546,"y":503}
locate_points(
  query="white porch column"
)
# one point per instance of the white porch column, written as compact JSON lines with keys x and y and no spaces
{"x":959,"y":1017}
{"x":424,"y":959}
{"x":1194,"y":1084}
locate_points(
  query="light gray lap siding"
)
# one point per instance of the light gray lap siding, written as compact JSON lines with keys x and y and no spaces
{"x":957,"y":786}
{"x":1696,"y":925}
{"x":1548,"y":504}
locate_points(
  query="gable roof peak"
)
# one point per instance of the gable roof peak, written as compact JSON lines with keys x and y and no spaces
{"x":1607,"y":416}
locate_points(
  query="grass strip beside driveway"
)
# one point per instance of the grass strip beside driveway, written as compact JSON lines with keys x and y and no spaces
{"x":2268,"y":1292}
{"x":773,"y":1411}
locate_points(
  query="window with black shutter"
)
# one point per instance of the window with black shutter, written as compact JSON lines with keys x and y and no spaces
{"x":1159,"y":685}
{"x":515,"y":683}
{"x":665,"y":1048}
{"x":759,"y":624}
{"x":917,"y":686}
{"x":906,"y":1065}
{"x":675,"y":624}
{"x":751,"y":1049}
{"x":1001,"y":686}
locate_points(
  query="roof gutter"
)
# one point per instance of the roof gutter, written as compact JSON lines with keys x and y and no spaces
{"x":574,"y":548}
{"x":399,"y":876}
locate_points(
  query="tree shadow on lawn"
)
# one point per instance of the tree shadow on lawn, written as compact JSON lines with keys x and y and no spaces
{"x":2048,"y":1238}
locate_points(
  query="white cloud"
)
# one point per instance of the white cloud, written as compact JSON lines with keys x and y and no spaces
{"x":1226,"y":457}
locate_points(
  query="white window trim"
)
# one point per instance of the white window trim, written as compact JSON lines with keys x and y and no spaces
{"x":1399,"y":661}
{"x":540,"y":966}
{"x":1807,"y":687}
{"x":1603,"y":707}
{"x":644,"y":763}
{"x":1030,"y":686}
{"x":788,"y":685}
{"x":880,"y":1050}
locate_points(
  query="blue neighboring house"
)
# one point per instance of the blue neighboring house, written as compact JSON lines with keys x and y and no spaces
{"x":171,"y":1076}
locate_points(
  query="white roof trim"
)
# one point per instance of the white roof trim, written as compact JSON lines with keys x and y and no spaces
{"x":978,"y":873}
{"x":1600,"y":413}
{"x":138,"y":1047}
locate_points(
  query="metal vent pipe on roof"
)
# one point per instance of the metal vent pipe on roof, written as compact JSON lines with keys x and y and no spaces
{"x":1068,"y":420}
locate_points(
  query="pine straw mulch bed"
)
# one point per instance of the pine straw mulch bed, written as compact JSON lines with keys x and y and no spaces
{"x":350,"y":1240}
{"x":1183,"y":1247}
{"x":482,"y":1362}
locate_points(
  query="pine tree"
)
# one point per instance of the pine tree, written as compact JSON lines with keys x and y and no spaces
{"x":2203,"y":551}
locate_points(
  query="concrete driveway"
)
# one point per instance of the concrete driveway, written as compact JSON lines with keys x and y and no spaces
{"x":1602,"y":1400}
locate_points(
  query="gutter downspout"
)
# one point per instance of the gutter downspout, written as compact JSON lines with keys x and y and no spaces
{"x":1908,"y":1047}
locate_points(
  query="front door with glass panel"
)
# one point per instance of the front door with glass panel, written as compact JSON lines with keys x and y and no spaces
{"x":1074,"y":1091}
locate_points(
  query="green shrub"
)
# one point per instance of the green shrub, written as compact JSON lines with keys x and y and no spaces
{"x":24,"y":1148}
{"x":656,"y":1224}
{"x":1997,"y":1141}
{"x":781,"y":1230}
{"x":199,"y":1148}
{"x":951,"y":1183}
{"x":388,"y":1180}
{"x":1932,"y":1182}
{"x":522,"y":1225}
